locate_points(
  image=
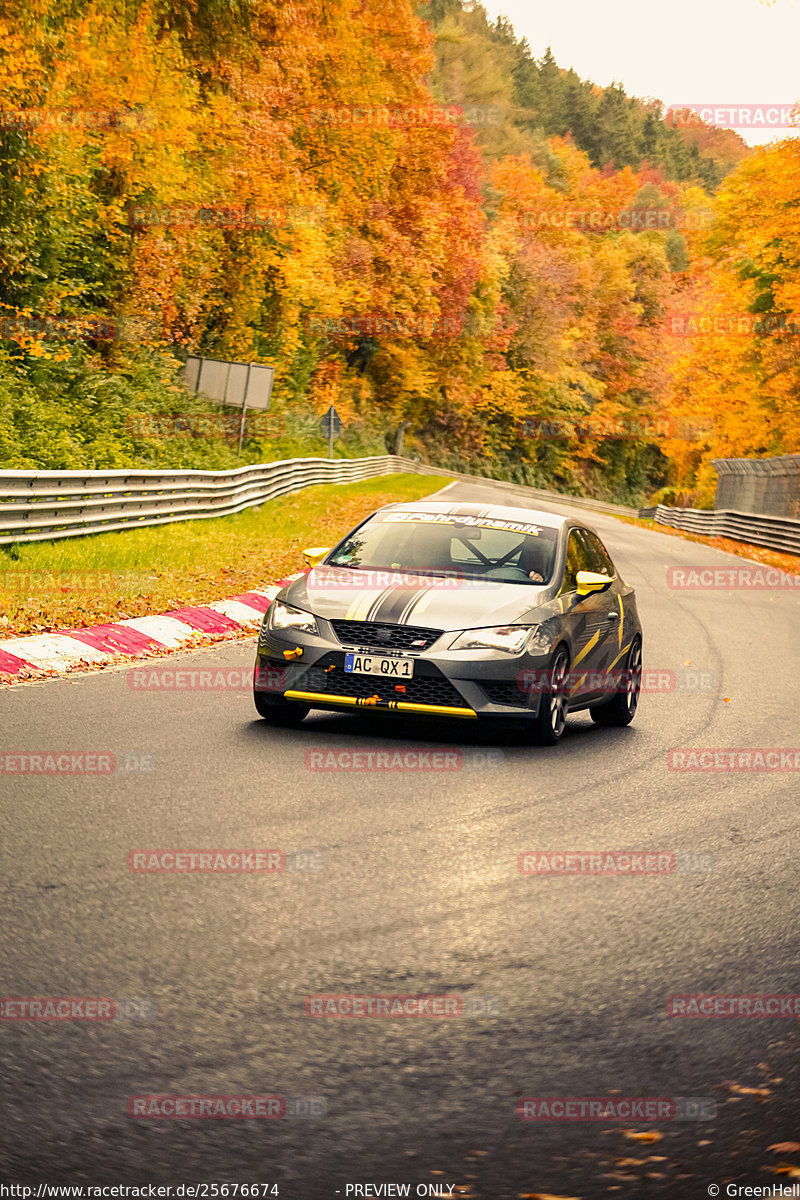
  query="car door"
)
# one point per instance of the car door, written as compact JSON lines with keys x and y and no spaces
{"x":589,"y":620}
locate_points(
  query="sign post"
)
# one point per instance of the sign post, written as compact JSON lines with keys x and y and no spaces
{"x":331,"y":426}
{"x":244,"y":411}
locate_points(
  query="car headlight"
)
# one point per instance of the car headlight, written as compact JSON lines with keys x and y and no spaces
{"x":509,"y":638}
{"x":285,"y":617}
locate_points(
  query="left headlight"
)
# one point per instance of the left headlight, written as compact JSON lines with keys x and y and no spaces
{"x":509,"y":638}
{"x":285,"y":617}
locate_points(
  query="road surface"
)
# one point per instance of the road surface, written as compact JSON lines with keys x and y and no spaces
{"x":408,"y":882}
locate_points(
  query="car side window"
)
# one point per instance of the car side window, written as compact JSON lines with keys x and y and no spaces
{"x":598,"y":555}
{"x":577,"y":560}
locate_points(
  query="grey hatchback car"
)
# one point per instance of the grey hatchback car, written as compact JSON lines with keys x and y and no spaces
{"x":460,"y":611}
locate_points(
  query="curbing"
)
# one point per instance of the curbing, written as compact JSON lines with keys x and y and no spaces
{"x":47,"y":654}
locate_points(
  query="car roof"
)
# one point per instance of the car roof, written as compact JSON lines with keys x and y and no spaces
{"x":500,"y":511}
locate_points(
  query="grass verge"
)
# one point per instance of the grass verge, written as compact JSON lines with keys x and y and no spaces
{"x":76,"y":582}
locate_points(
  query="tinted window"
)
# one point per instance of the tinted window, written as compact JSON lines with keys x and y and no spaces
{"x":577,"y":560}
{"x":493,"y":548}
{"x":598,"y":555}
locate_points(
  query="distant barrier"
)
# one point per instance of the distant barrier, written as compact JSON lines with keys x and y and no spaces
{"x":778,"y":533}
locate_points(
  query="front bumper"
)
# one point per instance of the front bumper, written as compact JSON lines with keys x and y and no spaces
{"x":445,"y":683}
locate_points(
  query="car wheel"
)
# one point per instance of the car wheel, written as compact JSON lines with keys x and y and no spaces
{"x":621,"y":708}
{"x":552,"y":718}
{"x":280,"y":712}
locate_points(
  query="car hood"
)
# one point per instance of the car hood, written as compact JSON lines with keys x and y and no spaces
{"x":403,"y":598}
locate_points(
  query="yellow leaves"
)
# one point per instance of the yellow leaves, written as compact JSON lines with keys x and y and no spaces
{"x":647,"y":1135}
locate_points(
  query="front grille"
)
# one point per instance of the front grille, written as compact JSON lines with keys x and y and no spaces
{"x":504,"y":692}
{"x":383,"y":636}
{"x":422,"y":689}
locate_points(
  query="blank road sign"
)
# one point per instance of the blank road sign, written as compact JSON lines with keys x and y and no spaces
{"x":237,"y":382}
{"x":191,"y":373}
{"x":259,"y":385}
{"x":230,"y":382}
{"x":213,"y":378}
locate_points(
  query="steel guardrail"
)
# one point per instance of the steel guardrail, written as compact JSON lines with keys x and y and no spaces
{"x":777,"y":533}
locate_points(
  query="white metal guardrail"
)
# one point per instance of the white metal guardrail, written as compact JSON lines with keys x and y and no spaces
{"x":47,"y":505}
{"x":778,"y":533}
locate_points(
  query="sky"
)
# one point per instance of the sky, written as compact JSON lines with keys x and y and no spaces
{"x":701,"y":52}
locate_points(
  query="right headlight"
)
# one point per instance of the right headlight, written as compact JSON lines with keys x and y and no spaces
{"x":286,"y":618}
{"x":508,"y":638}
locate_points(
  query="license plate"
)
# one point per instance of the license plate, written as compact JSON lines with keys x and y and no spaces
{"x":378,"y":664}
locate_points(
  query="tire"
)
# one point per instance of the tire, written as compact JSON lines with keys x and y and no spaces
{"x":286,"y":713}
{"x":548,"y":727}
{"x":621,"y":709}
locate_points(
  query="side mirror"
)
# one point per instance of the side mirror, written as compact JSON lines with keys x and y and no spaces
{"x":315,"y":554}
{"x":589,"y":583}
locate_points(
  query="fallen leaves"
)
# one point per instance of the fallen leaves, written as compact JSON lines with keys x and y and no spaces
{"x":544,"y":1196}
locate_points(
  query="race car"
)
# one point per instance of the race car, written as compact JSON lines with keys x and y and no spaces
{"x":460,"y":611}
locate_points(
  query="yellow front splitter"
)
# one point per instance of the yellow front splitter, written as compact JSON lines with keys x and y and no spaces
{"x":440,"y":710}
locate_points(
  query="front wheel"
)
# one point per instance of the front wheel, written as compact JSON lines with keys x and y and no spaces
{"x":280,"y":712}
{"x":621,"y":708}
{"x":552,"y":717}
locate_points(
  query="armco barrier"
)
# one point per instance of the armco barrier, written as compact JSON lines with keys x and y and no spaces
{"x":45,"y":505}
{"x":778,"y":533}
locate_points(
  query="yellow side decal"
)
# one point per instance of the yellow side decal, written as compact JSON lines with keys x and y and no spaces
{"x":579,"y":684}
{"x":590,"y":645}
{"x":624,"y":650}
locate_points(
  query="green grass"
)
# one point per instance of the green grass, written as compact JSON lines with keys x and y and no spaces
{"x":82,"y":581}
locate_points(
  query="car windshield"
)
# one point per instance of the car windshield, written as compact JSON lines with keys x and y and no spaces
{"x":491,"y":548}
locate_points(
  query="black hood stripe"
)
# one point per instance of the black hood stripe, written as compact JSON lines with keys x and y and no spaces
{"x":395,"y":605}
{"x":385,"y":596}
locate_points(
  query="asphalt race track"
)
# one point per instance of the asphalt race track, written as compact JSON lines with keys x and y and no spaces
{"x":408,"y":882}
